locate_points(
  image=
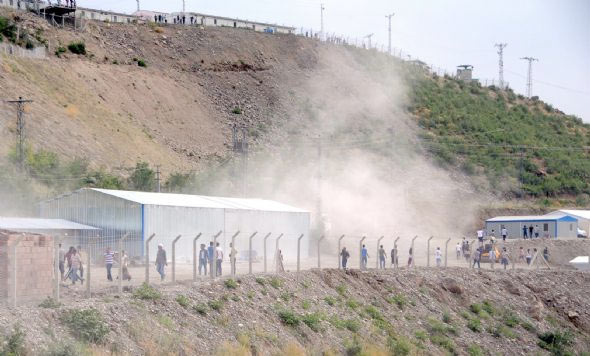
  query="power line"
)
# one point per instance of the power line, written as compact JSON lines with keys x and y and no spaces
{"x":529,"y":80}
{"x":20,"y":128}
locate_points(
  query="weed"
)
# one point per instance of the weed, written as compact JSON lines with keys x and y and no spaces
{"x":511,"y":320}
{"x":63,"y":349}
{"x":166,"y":322}
{"x":337,"y":322}
{"x":276,"y":282}
{"x":15,"y":344}
{"x":528,"y":326}
{"x":60,"y":50}
{"x":503,"y":331}
{"x":235,"y":298}
{"x":398,"y":300}
{"x":141,"y":63}
{"x":236,"y":111}
{"x":465,"y":315}
{"x":556,"y":341}
{"x":146,"y":292}
{"x":305,"y":284}
{"x":352,"y":325}
{"x":373,"y":312}
{"x":286,"y":296}
{"x":421,"y":335}
{"x":480,"y":310}
{"x":77,"y":48}
{"x":230,"y":284}
{"x":444,"y":342}
{"x":183,"y":301}
{"x":250,"y":295}
{"x":215,"y":304}
{"x":288,"y":317}
{"x":475,"y":350}
{"x":86,"y":324}
{"x":353,"y":347}
{"x":341,"y":289}
{"x":446,"y":318}
{"x":200,"y":308}
{"x":312,"y":320}
{"x":260,"y":281}
{"x":227,"y":349}
{"x":552,"y":321}
{"x":264,"y":291}
{"x":331,"y":301}
{"x":474,"y":325}
{"x":475,"y":308}
{"x":399,"y":346}
{"x":488,"y":307}
{"x":306,"y":304}
{"x":50,"y":303}
{"x":352,"y":304}
{"x":293,"y":349}
{"x":225,"y":298}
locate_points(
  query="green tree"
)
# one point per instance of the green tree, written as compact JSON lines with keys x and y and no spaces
{"x":143,"y":177}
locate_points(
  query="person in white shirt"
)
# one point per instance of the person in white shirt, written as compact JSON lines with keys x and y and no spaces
{"x":504,"y":234}
{"x":459,"y":248}
{"x":218,"y":258}
{"x":438,"y":256}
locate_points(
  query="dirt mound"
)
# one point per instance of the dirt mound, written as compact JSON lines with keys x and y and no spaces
{"x":422,"y":311}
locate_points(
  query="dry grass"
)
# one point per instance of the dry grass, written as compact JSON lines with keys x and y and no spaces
{"x":292,"y":349}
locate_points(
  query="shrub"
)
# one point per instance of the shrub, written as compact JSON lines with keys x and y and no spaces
{"x":556,"y":341}
{"x":511,"y":320}
{"x":77,"y":48}
{"x":50,"y":303}
{"x":503,"y":331}
{"x":475,"y":308}
{"x":260,"y":281}
{"x":373,"y":312}
{"x":352,"y":325}
{"x":141,"y":63}
{"x":215,"y":305}
{"x":475,"y":350}
{"x":183,"y":301}
{"x":528,"y":326}
{"x":200,"y":308}
{"x":236,"y":111}
{"x":443,"y":341}
{"x":286,"y":296}
{"x":230,"y":284}
{"x":399,"y":346}
{"x":398,"y":300}
{"x":306,"y":304}
{"x":146,"y":292}
{"x":288,"y":317}
{"x":312,"y":321}
{"x":331,"y":301}
{"x":14,"y":344}
{"x":60,"y":50}
{"x":86,"y":324}
{"x":488,"y":307}
{"x":447,"y":318}
{"x":420,"y":335}
{"x":474,"y":325}
{"x":276,"y":282}
{"x":352,"y":304}
{"x":341,"y":289}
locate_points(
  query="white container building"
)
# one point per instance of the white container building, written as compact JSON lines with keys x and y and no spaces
{"x":547,"y":226}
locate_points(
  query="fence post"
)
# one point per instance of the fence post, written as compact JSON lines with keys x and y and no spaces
{"x":361,"y":252}
{"x":174,"y":257}
{"x":377,"y":255}
{"x":57,"y":271}
{"x":15,"y":270}
{"x":120,"y":281}
{"x":413,"y":252}
{"x":447,"y":250}
{"x":338,"y":253}
{"x":276,"y":254}
{"x":319,"y":257}
{"x":213,"y":268}
{"x":299,"y":254}
{"x":250,"y":252}
{"x":88,"y":269}
{"x":195,"y":259}
{"x":428,"y":251}
{"x":147,"y":258}
{"x":265,"y":238}
{"x":395,"y":258}
{"x":232,"y":258}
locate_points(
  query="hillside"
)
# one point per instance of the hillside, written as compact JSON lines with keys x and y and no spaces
{"x":417,"y":312}
{"x":101,"y":119}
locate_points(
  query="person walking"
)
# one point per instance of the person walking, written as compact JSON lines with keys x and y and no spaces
{"x":477,"y":257}
{"x":480,"y":234}
{"x":75,"y":267}
{"x":493,"y":256}
{"x":382,"y":257}
{"x":61,"y":255}
{"x":161,"y":262}
{"x":546,"y":254}
{"x":203,"y":259}
{"x":83,"y":259}
{"x":504,"y":233}
{"x":280,"y":266}
{"x":364,"y":257}
{"x":125,"y":267}
{"x":438,"y":256}
{"x":344,"y":255}
{"x":536,"y":231}
{"x":504,"y":258}
{"x":218,"y":258}
{"x":524,"y":232}
{"x":211,"y":255}
{"x":521,"y":255}
{"x":410,"y":258}
{"x":528,"y":257}
{"x":531,"y":228}
{"x":232,"y":258}
{"x":109,"y":258}
{"x":467,"y":252}
{"x":394,"y":260}
{"x":459,"y":250}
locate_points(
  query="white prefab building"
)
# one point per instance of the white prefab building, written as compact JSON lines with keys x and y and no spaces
{"x":583,"y":217}
{"x":141,"y":214}
{"x":546,"y":226}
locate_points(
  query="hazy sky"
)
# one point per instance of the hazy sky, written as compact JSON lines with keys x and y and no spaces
{"x":442,"y":33}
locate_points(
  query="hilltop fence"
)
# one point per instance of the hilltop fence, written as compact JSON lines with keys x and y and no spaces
{"x":16,"y":51}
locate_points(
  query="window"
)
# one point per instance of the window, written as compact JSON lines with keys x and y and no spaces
{"x":545,"y":227}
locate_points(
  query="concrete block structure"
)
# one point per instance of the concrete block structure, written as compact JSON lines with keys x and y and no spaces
{"x":34,"y":266}
{"x":547,"y":226}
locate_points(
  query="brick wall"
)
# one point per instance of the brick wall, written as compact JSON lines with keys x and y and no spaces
{"x":34,"y":257}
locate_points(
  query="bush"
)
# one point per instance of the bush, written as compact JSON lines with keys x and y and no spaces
{"x":50,"y":303}
{"x":446,"y":318}
{"x":236,"y":111}
{"x":341,"y":289}
{"x":312,"y":321}
{"x":444,"y":342}
{"x":276,"y":282}
{"x":14,"y":344}
{"x":200,"y":308}
{"x":474,"y":325}
{"x":77,"y":48}
{"x":556,"y":341}
{"x":398,"y":300}
{"x":146,"y":292}
{"x":475,"y":350}
{"x":215,"y":305}
{"x":60,"y":50}
{"x":183,"y":301}
{"x":511,"y":320}
{"x":86,"y":324}
{"x":503,"y":331}
{"x":373,"y":312}
{"x":230,"y":284}
{"x":488,"y":307}
{"x":288,"y":317}
{"x":306,"y":304}
{"x":260,"y":281}
{"x":141,"y":63}
{"x":331,"y":301}
{"x":352,"y":304}
{"x":352,"y":325}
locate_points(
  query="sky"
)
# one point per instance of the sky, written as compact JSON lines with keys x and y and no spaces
{"x":441,"y":33}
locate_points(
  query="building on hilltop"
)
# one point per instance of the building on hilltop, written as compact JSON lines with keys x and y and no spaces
{"x":583,"y":217}
{"x":547,"y":226}
{"x":465,"y":72}
{"x":142,"y":214}
{"x":193,"y":18}
{"x":106,"y":16}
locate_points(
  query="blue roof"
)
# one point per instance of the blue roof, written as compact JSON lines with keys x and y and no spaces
{"x":533,"y":218}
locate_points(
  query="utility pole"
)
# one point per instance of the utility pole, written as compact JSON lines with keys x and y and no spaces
{"x":369,"y":37}
{"x":137,"y":5}
{"x":322,"y":8}
{"x":183,"y":6}
{"x":20,"y":128}
{"x":529,"y":78}
{"x":158,"y":178}
{"x":240,"y":146}
{"x":501,"y":47}
{"x":389,"y":19}
{"x":320,"y":218}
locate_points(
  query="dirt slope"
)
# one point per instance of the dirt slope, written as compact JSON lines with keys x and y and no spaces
{"x":422,"y":311}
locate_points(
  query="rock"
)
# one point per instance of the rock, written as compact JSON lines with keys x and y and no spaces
{"x":572,"y":314}
{"x":536,"y":310}
{"x":452,"y":286}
